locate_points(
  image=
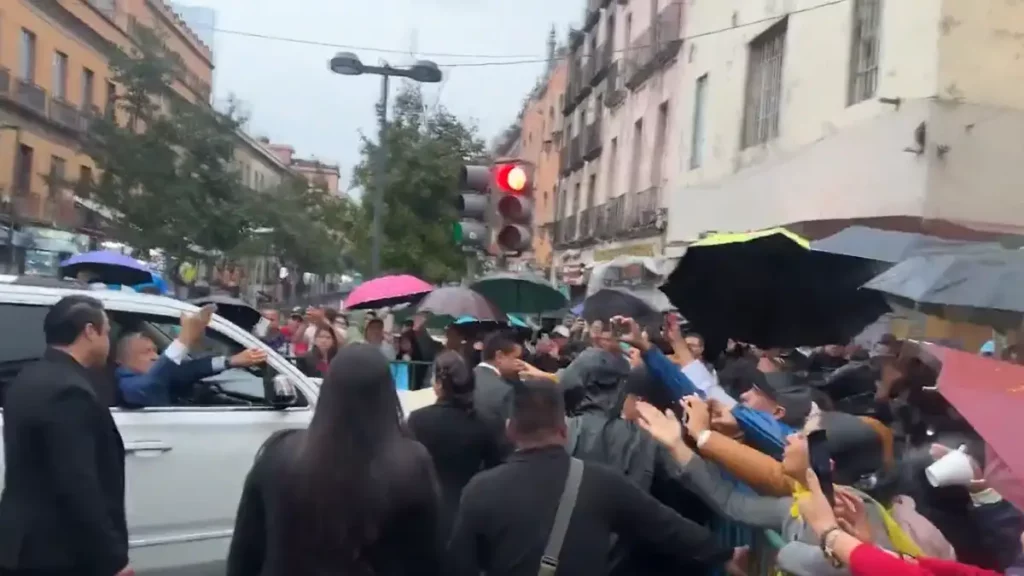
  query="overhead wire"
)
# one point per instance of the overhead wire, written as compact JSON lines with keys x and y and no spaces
{"x":487,"y":60}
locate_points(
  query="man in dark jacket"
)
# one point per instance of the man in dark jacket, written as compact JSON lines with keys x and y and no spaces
{"x":507,"y":513}
{"x":62,"y":509}
{"x":494,"y":375}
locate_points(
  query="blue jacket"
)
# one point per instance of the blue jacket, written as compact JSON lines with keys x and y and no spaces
{"x":760,"y":430}
{"x":154,"y":388}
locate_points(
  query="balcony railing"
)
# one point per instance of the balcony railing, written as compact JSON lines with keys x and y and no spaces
{"x":569,"y":230}
{"x":604,"y":61}
{"x":575,"y":153}
{"x":615,"y":90}
{"x":564,"y":166}
{"x":593,"y":145}
{"x":5,"y":82}
{"x":643,"y":209}
{"x":590,"y":66}
{"x":592,"y":16}
{"x":668,"y":32}
{"x":583,"y":88}
{"x":640,"y":59}
{"x":30,"y":96}
{"x":587,"y":223}
{"x":64,"y":114}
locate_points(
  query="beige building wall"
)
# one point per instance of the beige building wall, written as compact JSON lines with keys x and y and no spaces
{"x":948,"y":77}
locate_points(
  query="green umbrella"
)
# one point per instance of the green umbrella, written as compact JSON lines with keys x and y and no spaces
{"x":520,"y":293}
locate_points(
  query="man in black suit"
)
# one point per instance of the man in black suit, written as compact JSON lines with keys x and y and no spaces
{"x":494,"y":375}
{"x":62,"y":509}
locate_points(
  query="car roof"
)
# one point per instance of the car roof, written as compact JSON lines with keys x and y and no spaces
{"x":47,"y":291}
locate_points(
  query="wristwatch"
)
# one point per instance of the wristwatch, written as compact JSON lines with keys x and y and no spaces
{"x":827,"y":541}
{"x":702,"y":438}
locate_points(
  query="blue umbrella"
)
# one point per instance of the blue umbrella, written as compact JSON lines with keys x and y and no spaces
{"x":577,"y":310}
{"x":108,"y":267}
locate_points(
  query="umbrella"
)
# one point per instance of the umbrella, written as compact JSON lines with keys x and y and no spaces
{"x":767,"y":288}
{"x":887,"y":246}
{"x":523,"y":293}
{"x":987,"y":393}
{"x":386,"y":291}
{"x":982,"y":287}
{"x":609,"y":302}
{"x":233,"y":310}
{"x":108,"y":267}
{"x":457,"y":301}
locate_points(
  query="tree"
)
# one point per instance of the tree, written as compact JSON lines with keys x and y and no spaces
{"x":425,"y":151}
{"x":167,"y":165}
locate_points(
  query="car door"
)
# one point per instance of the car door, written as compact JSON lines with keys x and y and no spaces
{"x":185,"y":467}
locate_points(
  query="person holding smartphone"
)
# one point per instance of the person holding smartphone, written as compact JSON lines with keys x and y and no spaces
{"x":802,"y":555}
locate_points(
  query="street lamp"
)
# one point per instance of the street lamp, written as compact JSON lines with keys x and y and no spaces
{"x":423,"y":71}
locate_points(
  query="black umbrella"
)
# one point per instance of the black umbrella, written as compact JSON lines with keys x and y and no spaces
{"x":457,"y":301}
{"x":233,"y":310}
{"x":610,"y":302}
{"x":888,"y":246}
{"x":767,"y":288}
{"x":982,"y":287}
{"x":520,"y":293}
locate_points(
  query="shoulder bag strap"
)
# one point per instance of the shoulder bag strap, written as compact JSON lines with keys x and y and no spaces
{"x":566,"y":504}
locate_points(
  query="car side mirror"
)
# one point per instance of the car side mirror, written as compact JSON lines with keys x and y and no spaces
{"x":279,"y":390}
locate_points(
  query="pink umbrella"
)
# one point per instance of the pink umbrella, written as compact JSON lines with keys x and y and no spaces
{"x":387,"y":291}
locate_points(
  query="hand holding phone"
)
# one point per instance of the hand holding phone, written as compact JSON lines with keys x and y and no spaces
{"x":821,"y":462}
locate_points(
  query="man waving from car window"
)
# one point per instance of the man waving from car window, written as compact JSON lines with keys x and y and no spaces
{"x":147,"y":378}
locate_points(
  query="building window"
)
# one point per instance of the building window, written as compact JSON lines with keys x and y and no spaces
{"x":23,"y":169}
{"x":60,"y":75}
{"x":864,"y":51}
{"x":88,"y":86}
{"x":27,"y":56}
{"x":697,"y":131}
{"x":84,"y":179}
{"x":110,"y":99}
{"x":764,"y":86}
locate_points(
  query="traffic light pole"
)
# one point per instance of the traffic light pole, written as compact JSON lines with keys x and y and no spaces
{"x":381,"y":178}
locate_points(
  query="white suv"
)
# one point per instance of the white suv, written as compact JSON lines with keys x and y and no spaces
{"x":185,"y":463}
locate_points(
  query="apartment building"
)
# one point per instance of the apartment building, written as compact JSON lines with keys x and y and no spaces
{"x":54,"y":76}
{"x":317,"y":173}
{"x":816,"y":114}
{"x":619,"y":146}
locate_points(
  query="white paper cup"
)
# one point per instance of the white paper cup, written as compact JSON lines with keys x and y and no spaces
{"x":953,"y":469}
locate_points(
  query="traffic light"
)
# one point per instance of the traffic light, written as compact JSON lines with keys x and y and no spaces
{"x":514,"y":182}
{"x":473,"y":202}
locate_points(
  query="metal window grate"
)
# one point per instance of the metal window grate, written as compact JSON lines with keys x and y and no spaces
{"x":764,"y":86}
{"x":864,"y":50}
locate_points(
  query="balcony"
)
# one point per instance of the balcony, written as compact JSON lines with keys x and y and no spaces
{"x":592,"y":15}
{"x":606,"y":3}
{"x":564,"y":166}
{"x":604,"y":61}
{"x":593,"y":144}
{"x":575,"y":153}
{"x":668,"y":33}
{"x":65,"y":115}
{"x":587,"y":224}
{"x":5,"y":83}
{"x":583,"y":88}
{"x":590,"y":67}
{"x":643,"y":211}
{"x":569,"y":230}
{"x":30,"y":96}
{"x":601,"y":222}
{"x":614,"y":210}
{"x":640,"y":59}
{"x":615,"y":90}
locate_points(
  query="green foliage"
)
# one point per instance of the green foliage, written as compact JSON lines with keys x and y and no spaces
{"x":170,"y":177}
{"x":167,"y":164}
{"x":425,"y":151}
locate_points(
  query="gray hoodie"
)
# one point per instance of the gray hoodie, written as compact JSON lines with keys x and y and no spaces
{"x":802,"y":557}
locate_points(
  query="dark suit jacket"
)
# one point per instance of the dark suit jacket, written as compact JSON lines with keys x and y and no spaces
{"x":460,"y":445}
{"x":164,"y":381}
{"x":63,"y":502}
{"x":492,"y":396}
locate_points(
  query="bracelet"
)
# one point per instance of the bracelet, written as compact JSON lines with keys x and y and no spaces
{"x":703,"y":438}
{"x":827,"y":548}
{"x":824,"y":536}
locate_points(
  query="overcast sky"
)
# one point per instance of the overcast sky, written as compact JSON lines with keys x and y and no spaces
{"x":292,"y":97}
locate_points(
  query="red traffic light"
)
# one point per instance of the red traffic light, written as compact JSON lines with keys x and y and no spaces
{"x":512,"y":178}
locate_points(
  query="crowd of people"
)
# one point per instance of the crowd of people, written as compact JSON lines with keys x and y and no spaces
{"x":617,"y":447}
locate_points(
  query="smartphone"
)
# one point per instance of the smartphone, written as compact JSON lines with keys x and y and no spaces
{"x":821,"y":462}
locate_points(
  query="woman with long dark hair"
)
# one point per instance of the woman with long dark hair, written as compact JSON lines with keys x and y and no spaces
{"x":325,"y":347}
{"x":459,"y":443}
{"x":352,"y":494}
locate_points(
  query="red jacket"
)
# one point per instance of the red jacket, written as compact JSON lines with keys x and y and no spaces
{"x":868,"y":560}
